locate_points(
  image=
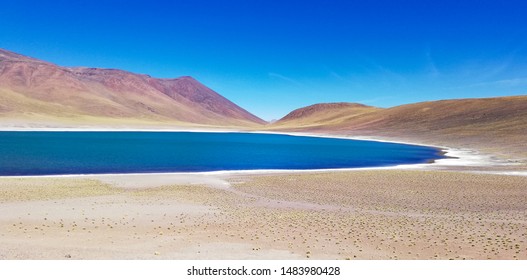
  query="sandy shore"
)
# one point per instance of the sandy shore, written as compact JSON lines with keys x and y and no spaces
{"x":363,"y":214}
{"x":471,"y":207}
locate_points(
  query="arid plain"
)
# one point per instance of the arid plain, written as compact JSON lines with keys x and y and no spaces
{"x":366,"y":214}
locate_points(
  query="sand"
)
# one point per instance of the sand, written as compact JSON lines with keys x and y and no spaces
{"x":362,"y":214}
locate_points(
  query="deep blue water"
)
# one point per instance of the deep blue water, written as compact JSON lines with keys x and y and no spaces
{"x":39,"y":153}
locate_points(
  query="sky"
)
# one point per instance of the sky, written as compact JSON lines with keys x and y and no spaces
{"x":271,"y":57}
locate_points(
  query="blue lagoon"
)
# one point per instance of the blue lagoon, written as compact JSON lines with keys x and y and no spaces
{"x":50,"y":153}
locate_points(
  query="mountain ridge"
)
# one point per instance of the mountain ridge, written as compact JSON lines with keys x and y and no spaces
{"x":112,"y":94}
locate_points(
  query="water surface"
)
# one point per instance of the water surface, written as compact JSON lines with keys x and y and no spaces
{"x":47,"y":153}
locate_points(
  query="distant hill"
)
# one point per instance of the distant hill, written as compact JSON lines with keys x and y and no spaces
{"x":489,"y":124}
{"x":44,"y":94}
{"x":323,"y":114}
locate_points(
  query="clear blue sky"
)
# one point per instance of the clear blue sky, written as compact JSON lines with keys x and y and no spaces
{"x":271,"y":57}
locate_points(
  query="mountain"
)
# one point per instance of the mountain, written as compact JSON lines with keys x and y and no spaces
{"x":487,"y":124}
{"x":36,"y":92}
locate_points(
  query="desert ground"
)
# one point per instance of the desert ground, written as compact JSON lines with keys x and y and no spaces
{"x":436,"y":211}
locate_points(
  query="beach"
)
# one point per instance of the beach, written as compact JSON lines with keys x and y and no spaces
{"x":457,"y":208}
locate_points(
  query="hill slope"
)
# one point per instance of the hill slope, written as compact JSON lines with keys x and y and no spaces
{"x":497,"y":125}
{"x":323,"y":114}
{"x":35,"y":91}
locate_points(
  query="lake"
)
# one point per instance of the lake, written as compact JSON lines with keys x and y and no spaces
{"x":48,"y":153}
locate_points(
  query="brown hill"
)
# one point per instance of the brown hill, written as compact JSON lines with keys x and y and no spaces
{"x":323,"y":114}
{"x":496,"y":125}
{"x":34,"y":91}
